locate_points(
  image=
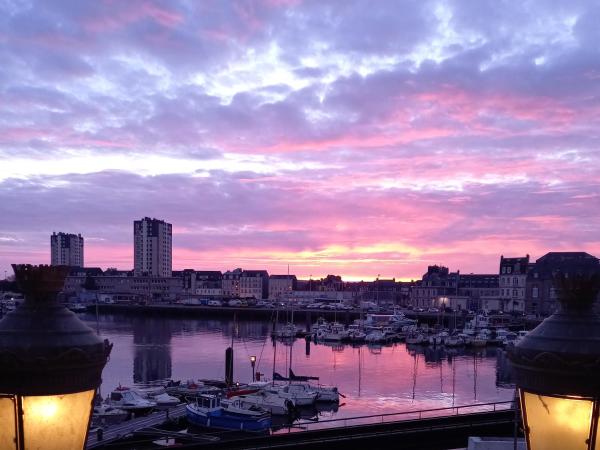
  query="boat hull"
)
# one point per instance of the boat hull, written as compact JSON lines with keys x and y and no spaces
{"x":224,"y":421}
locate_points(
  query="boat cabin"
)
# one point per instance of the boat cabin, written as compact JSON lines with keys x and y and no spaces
{"x":209,"y":401}
{"x":125,"y":396}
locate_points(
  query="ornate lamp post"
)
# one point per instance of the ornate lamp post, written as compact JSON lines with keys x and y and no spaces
{"x":50,"y":367}
{"x":557,"y":370}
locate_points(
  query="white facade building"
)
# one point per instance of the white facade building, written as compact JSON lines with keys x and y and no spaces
{"x":513,"y":281}
{"x":66,"y":250}
{"x":152,"y":244}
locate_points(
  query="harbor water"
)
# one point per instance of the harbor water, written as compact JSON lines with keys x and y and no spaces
{"x":376,"y":379}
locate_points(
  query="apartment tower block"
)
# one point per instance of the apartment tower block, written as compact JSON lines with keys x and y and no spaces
{"x":66,"y":250}
{"x":152,"y":248}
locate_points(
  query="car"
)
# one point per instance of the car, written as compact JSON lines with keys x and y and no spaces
{"x":214,"y":303}
{"x":313,"y":306}
{"x":419,"y":310}
{"x":234,"y":303}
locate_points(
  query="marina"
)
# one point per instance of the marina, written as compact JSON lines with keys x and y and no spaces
{"x":370,"y":379}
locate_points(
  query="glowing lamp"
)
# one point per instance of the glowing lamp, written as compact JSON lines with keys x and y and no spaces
{"x":253,"y":364}
{"x":557,"y":371}
{"x":50,"y":366}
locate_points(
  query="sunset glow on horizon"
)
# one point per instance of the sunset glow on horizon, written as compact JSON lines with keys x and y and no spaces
{"x":351,"y":138}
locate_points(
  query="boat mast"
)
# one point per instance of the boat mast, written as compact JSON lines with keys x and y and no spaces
{"x":275,"y":346}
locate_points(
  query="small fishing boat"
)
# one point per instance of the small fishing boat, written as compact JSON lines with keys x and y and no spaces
{"x":208,"y":412}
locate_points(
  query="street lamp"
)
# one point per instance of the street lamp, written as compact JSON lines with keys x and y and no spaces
{"x":50,"y":367}
{"x":253,"y":363}
{"x":557,"y":371}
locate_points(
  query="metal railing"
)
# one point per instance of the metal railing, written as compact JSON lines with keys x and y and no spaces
{"x":450,"y":411}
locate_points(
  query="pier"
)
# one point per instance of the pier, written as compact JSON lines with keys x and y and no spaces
{"x":438,"y":428}
{"x":127,"y":428}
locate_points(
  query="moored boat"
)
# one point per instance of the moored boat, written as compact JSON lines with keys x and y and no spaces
{"x":130,"y":401}
{"x":208,"y":412}
{"x":268,"y":401}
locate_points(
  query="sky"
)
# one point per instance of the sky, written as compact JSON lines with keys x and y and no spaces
{"x":358,"y":138}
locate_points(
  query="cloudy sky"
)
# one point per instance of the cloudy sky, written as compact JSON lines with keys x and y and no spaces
{"x":349,"y":137}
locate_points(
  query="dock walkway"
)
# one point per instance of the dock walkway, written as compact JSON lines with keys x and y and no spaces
{"x":128,"y":427}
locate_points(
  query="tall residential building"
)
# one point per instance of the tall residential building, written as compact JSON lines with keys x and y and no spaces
{"x":66,"y":249}
{"x":152,"y":248}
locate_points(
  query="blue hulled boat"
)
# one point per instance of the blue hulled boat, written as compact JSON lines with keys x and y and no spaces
{"x":208,"y":412}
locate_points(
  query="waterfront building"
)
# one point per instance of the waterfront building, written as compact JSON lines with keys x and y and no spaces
{"x":254,"y":284}
{"x":231,"y":283}
{"x":152,"y":247}
{"x":513,"y":278}
{"x":204,"y":282}
{"x":540,"y":293}
{"x":66,"y":249}
{"x":281,"y":286}
{"x":125,"y":283}
{"x":481,"y":290}
{"x":437,"y":282}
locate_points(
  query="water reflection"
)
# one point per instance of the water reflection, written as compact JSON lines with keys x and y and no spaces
{"x":152,"y":350}
{"x":374,"y":379}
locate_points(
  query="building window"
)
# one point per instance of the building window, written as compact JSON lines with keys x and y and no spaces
{"x":535,"y":292}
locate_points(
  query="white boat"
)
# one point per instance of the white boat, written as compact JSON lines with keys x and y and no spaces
{"x":476,"y":324}
{"x":481,"y":340}
{"x":439,"y":338}
{"x":268,"y":401}
{"x":454,"y":341}
{"x":415,"y":338}
{"x":165,"y":401}
{"x":286,"y":331}
{"x":320,"y":324}
{"x":130,"y":401}
{"x":299,"y":393}
{"x":375,"y":336}
{"x":520,"y":336}
{"x":336,"y":332}
{"x":325,"y":393}
{"x":355,"y":334}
